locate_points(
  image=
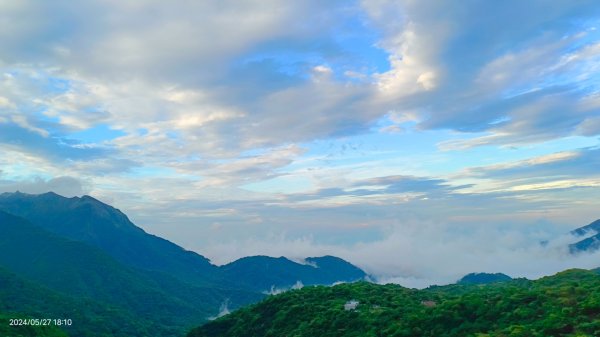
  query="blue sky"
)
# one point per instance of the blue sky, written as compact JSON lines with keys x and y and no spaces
{"x":365,"y":129}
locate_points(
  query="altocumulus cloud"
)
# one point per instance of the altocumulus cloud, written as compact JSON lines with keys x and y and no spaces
{"x":66,"y":186}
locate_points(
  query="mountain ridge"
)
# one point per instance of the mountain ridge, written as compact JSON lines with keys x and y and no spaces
{"x":93,"y":222}
{"x":88,"y":220}
{"x":89,"y":262}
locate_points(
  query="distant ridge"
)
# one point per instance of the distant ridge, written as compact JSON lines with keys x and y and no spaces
{"x":261,"y":273}
{"x":592,"y":227}
{"x":484,"y":278}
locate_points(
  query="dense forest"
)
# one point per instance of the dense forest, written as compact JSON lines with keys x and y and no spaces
{"x":566,"y":304}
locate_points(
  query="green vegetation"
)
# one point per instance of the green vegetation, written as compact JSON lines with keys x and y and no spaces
{"x":22,"y":299}
{"x":566,"y":304}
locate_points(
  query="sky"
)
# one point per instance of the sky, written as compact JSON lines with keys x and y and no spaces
{"x":420,"y":140}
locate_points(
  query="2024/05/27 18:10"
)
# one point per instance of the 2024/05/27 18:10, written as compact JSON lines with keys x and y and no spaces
{"x":40,"y":321}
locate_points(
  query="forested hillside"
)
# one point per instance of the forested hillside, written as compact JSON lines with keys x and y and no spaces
{"x":27,"y":330}
{"x":566,"y":304}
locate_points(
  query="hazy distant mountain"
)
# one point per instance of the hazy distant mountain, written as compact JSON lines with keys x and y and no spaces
{"x":483,"y":278}
{"x":262,"y":273}
{"x":592,"y":240}
{"x":594,"y":226}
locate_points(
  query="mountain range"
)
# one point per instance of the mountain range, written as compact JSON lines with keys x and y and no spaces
{"x":90,"y":256}
{"x":82,"y":259}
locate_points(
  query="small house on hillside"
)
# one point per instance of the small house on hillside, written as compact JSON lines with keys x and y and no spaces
{"x":351,"y":305}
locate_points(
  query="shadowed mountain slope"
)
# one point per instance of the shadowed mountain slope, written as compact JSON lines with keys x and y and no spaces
{"x":82,"y":271}
{"x":88,"y":220}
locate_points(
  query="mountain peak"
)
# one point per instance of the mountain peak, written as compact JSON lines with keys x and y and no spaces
{"x":89,"y":220}
{"x":52,"y":194}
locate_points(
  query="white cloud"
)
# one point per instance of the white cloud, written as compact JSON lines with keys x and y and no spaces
{"x":468,"y":67}
{"x":66,"y":186}
{"x":172,"y":71}
{"x":418,"y":254}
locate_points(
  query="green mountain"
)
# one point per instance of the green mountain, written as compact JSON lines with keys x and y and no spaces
{"x":86,"y":251}
{"x":263,"y":273}
{"x":88,"y":220}
{"x":96,"y":224}
{"x":82,"y":271}
{"x":566,"y":304}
